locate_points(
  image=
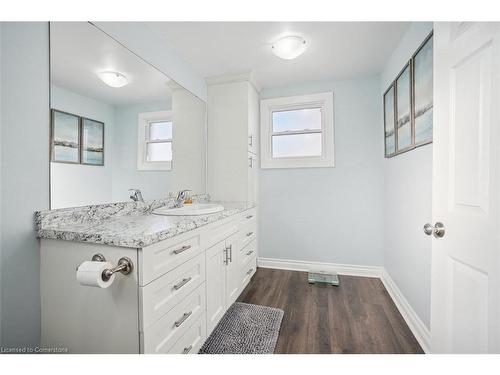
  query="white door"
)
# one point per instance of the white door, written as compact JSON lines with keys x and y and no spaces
{"x":232,"y":270}
{"x":215,"y":284}
{"x":465,"y":263}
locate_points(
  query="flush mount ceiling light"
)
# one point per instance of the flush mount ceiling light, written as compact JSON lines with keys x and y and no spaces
{"x":113,"y":79}
{"x":289,"y":47}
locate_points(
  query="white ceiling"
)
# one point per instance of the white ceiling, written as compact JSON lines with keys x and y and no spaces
{"x":337,"y":50}
{"x":79,"y":51}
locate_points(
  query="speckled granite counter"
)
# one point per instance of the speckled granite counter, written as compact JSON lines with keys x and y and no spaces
{"x":126,"y":224}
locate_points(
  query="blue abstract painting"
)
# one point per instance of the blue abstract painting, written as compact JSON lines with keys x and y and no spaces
{"x":403,"y":109}
{"x":423,"y":93}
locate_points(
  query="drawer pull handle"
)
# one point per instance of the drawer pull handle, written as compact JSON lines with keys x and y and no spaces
{"x":182,"y":283}
{"x":250,"y":252}
{"x":249,"y":234}
{"x":249,"y":216}
{"x":187,"y":349}
{"x":250,"y":271}
{"x":182,"y":249}
{"x":183,"y":319}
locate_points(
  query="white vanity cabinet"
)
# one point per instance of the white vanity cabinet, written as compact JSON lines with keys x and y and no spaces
{"x":224,"y":283}
{"x":174,"y":297}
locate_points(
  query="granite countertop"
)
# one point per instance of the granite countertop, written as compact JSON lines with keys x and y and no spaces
{"x":127,"y":225}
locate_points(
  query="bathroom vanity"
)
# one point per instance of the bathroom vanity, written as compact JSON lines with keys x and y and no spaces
{"x":186,"y":271}
{"x":148,"y":137}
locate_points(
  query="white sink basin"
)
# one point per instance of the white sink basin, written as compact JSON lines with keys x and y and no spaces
{"x":190,"y":210}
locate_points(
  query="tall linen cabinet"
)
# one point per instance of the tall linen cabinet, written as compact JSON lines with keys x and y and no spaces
{"x":233,"y":134}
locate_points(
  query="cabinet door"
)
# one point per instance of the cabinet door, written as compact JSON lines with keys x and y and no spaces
{"x":215,"y":284}
{"x":232,"y":269}
{"x":252,"y":177}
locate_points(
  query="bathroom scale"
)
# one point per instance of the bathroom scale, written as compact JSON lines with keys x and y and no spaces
{"x":321,"y":277}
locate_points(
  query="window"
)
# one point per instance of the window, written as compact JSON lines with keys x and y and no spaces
{"x":297,"y":132}
{"x":154,"y":151}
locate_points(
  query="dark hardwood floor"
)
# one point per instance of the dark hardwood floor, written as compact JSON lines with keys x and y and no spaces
{"x":356,"y":317}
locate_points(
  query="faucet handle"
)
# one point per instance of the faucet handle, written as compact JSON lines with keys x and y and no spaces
{"x":136,"y":195}
{"x":182,"y":193}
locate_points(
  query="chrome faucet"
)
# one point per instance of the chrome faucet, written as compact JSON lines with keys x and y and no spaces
{"x":136,"y":196}
{"x":181,"y":197}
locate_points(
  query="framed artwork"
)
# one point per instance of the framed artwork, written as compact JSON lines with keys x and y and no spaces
{"x":403,"y":110}
{"x":389,"y":121}
{"x":423,"y":92}
{"x":408,"y":104}
{"x":92,"y":142}
{"x":65,"y":137}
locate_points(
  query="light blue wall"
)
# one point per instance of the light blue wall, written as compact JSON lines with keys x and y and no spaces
{"x":330,"y":214}
{"x":77,"y":184}
{"x":153,"y":184}
{"x":25,"y":175}
{"x":408,"y":198}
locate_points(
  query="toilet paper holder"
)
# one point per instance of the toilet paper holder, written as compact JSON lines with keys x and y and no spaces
{"x":125,"y":266}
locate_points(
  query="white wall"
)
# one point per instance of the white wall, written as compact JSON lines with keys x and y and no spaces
{"x":330,"y":214}
{"x":24,"y":175}
{"x":77,"y":184}
{"x":153,"y":184}
{"x":408,"y":198}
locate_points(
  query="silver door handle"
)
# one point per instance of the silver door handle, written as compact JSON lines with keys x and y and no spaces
{"x":249,"y":234}
{"x":187,"y":349}
{"x":250,"y":137}
{"x":250,"y":252}
{"x":230,"y":250}
{"x":183,"y":319}
{"x":438,"y":229}
{"x":182,"y":283}
{"x":182,"y":249}
{"x":250,"y":271}
{"x":226,"y":256}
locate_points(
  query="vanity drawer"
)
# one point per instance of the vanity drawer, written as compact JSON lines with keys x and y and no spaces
{"x":219,"y":232}
{"x":249,"y":215}
{"x":164,"y":333}
{"x":158,"y":259}
{"x":248,"y":252}
{"x":248,"y":233}
{"x":161,"y":295}
{"x":247,"y":271}
{"x":193,"y":339}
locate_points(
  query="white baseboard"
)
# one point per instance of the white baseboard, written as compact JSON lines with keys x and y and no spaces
{"x":300,"y":265}
{"x":418,"y":328}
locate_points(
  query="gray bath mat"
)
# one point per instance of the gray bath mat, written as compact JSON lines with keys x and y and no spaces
{"x":245,"y":329}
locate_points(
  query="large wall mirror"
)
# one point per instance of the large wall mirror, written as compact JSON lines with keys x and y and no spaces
{"x":118,"y":123}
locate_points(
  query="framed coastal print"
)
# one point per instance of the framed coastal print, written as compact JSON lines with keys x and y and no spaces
{"x":389,"y":121}
{"x":65,"y":137}
{"x":403,"y":110}
{"x":92,"y":142}
{"x":422,"y":92}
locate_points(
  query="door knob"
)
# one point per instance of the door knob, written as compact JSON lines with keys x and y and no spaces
{"x":438,"y":229}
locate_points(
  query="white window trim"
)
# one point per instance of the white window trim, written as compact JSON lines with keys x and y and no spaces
{"x":321,"y":100}
{"x":142,"y":133}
